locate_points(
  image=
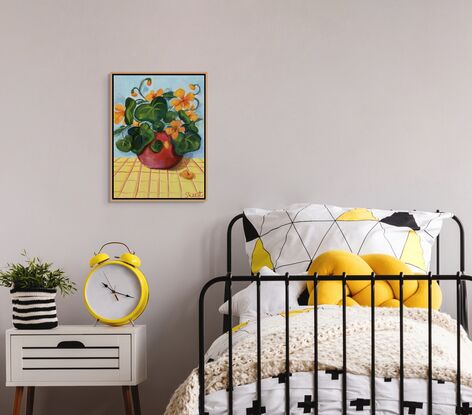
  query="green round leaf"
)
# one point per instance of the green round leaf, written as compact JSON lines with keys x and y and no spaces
{"x":119,"y":130}
{"x":146,"y":132}
{"x":160,"y":106}
{"x":124,"y":144}
{"x":140,"y":143}
{"x":170,"y":116}
{"x":146,"y":112}
{"x":191,"y":127}
{"x":158,"y":126}
{"x":187,"y":143}
{"x":133,"y":131}
{"x":157,"y":146}
{"x":130,"y":105}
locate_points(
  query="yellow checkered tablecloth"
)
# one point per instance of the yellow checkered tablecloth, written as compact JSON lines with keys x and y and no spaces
{"x":133,"y":180}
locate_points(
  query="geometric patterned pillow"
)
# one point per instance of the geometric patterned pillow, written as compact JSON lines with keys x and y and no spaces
{"x":287,"y":240}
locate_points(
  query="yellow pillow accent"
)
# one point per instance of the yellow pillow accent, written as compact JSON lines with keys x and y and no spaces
{"x":295,"y":312}
{"x":413,"y":251}
{"x":387,"y":293}
{"x":357,"y":214}
{"x":260,"y":257}
{"x":235,"y":329}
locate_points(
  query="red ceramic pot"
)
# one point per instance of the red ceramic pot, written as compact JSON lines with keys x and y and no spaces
{"x":165,"y":159}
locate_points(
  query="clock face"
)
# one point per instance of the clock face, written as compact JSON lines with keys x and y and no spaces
{"x":113,"y":291}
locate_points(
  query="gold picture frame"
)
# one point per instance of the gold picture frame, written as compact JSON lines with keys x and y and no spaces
{"x":158,"y":137}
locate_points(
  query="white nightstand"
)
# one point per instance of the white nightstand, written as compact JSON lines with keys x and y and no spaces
{"x":76,"y":356}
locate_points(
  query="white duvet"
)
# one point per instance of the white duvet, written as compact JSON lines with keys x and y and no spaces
{"x":185,"y":399}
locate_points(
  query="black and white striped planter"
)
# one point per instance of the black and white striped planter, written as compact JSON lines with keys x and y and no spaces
{"x":34,"y":309}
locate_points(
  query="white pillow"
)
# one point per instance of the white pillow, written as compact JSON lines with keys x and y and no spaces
{"x":244,"y":302}
{"x":288,"y":240}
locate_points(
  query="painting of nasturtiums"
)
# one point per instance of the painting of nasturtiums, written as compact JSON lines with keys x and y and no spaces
{"x":158,"y":141}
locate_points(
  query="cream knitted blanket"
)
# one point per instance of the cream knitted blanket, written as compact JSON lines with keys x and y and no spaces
{"x":185,"y":398}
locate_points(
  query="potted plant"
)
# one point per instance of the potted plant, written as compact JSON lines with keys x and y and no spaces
{"x":33,"y":287}
{"x":159,"y":126}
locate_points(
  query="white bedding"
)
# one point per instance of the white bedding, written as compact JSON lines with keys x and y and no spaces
{"x":184,"y":401}
{"x":330,"y":396}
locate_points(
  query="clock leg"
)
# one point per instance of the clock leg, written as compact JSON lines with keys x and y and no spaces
{"x":17,"y":401}
{"x":127,"y":400}
{"x":29,"y":400}
{"x":136,"y":402}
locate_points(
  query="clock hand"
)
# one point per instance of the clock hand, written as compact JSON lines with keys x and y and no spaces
{"x":107,"y":286}
{"x":111,"y":289}
{"x":117,"y":292}
{"x":124,"y":295}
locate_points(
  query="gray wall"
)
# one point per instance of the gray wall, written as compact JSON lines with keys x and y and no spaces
{"x":362,"y":103}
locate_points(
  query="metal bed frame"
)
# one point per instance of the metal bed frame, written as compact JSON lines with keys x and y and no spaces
{"x":461,"y":309}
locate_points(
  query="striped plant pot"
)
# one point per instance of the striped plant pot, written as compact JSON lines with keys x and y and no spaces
{"x":34,"y":309}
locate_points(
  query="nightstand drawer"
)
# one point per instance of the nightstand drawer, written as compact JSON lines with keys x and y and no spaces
{"x":70,"y":358}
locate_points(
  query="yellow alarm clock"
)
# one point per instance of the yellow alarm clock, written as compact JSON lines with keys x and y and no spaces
{"x":116,"y":291}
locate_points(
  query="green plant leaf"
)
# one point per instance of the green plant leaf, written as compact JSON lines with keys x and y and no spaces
{"x":184,"y":117}
{"x":146,"y":132}
{"x":140,"y":143}
{"x":120,"y":129}
{"x":146,"y":112}
{"x":36,"y":274}
{"x":124,"y":144}
{"x":157,"y":146}
{"x":133,"y":131}
{"x":160,"y":105}
{"x":152,"y":112}
{"x":186,"y":143}
{"x":168,"y":94}
{"x":158,"y":126}
{"x":170,"y":116}
{"x":191,"y":127}
{"x":130,"y":105}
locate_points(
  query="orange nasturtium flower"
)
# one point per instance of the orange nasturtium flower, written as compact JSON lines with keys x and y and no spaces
{"x":134,"y":93}
{"x":193,"y":87}
{"x":119,"y":114}
{"x":149,"y":82}
{"x":136,"y":123}
{"x":175,"y":128}
{"x":192,"y":115}
{"x":182,"y":101}
{"x":154,"y":94}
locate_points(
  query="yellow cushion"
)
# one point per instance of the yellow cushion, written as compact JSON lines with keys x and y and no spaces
{"x":420,"y":298}
{"x":388,"y":265}
{"x":335,"y":263}
{"x":393,"y":302}
{"x":349,"y":302}
{"x":387,"y":293}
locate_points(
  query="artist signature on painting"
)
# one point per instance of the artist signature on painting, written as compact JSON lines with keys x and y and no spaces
{"x":194,"y":195}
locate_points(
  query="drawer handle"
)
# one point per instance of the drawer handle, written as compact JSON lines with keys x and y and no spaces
{"x":71,"y":345}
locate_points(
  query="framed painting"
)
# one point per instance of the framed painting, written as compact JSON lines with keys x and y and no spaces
{"x":158,"y":143}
